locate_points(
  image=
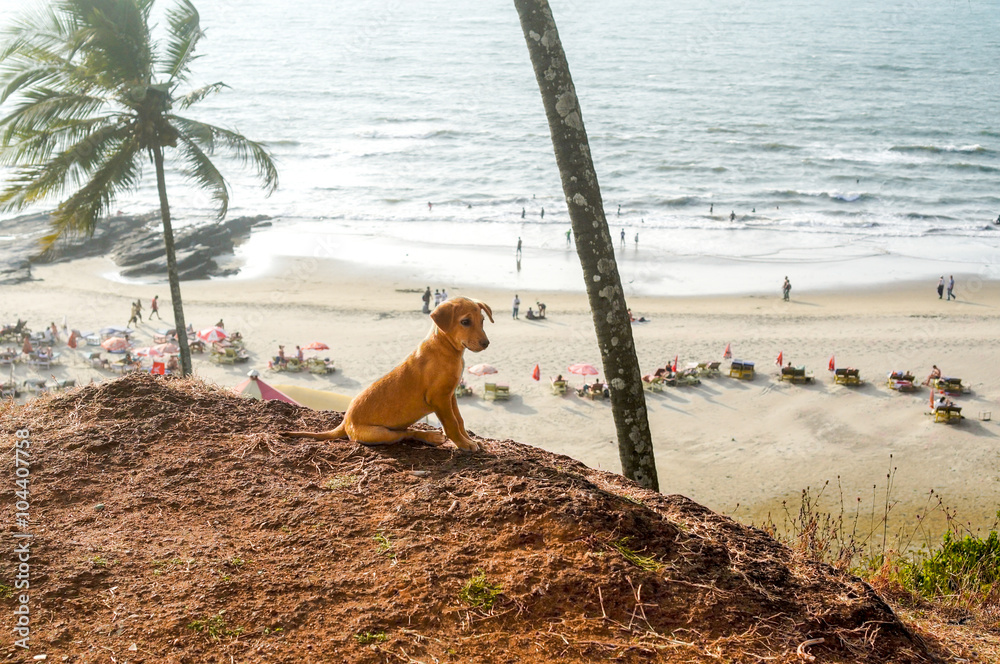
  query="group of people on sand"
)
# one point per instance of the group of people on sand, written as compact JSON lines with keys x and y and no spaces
{"x":136,"y":315}
{"x":439,"y":296}
{"x":533,"y":314}
{"x":951,"y":288}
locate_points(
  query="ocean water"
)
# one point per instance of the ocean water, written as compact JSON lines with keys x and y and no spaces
{"x":854,"y":142}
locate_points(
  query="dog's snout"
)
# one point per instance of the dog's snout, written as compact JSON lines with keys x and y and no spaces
{"x":485,"y":343}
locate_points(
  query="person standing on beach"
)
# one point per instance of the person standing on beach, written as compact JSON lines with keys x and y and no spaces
{"x":623,"y":238}
{"x":518,"y":248}
{"x":154,"y":307}
{"x":786,"y":288}
{"x":429,"y":206}
{"x":522,"y":213}
{"x":951,"y":288}
{"x":133,"y":316}
{"x":732,"y":215}
{"x":427,"y":300}
{"x":619,"y":210}
{"x":941,"y":288}
{"x":543,"y":213}
{"x":568,"y":234}
{"x":636,"y":240}
{"x":444,"y":294}
{"x":517,"y":303}
{"x":437,"y":297}
{"x":711,"y":208}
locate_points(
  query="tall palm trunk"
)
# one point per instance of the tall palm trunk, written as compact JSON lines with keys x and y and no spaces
{"x":593,"y":240}
{"x":172,"y":277}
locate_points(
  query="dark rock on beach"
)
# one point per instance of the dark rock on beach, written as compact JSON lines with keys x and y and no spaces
{"x":134,"y":242}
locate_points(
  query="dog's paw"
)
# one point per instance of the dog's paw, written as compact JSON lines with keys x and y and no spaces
{"x":468,"y":445}
{"x":434,"y":437}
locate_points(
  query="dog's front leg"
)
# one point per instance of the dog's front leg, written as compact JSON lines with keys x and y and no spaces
{"x":453,"y":424}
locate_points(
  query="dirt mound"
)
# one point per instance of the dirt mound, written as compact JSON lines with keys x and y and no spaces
{"x":172,"y":524}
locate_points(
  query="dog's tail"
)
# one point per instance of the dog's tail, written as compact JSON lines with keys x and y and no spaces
{"x":332,"y":434}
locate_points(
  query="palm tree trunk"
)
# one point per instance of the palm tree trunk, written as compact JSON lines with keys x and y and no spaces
{"x":593,"y":240}
{"x":175,"y":282}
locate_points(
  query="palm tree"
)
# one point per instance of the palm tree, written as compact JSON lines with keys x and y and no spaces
{"x":593,"y":240}
{"x":89,"y":98}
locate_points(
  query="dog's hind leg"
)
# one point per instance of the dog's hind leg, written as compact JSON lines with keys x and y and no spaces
{"x":370,"y":434}
{"x":332,"y":434}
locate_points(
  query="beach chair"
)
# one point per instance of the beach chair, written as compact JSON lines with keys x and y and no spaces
{"x":848,"y":376}
{"x":653,"y":384}
{"x":688,"y":377}
{"x":462,"y":390}
{"x":496,"y":392}
{"x":558,"y":387}
{"x":948,"y":414}
{"x":9,"y":391}
{"x":901,"y":381}
{"x":64,"y":384}
{"x":795,"y":375}
{"x":711,"y":369}
{"x":949,"y":385}
{"x":35,"y":385}
{"x":741,"y":369}
{"x":319,"y":366}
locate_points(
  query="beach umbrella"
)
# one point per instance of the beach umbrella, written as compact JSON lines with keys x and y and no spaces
{"x":536,"y":373}
{"x":833,"y":365}
{"x":167,"y":348}
{"x":212,"y":334}
{"x":583,"y":369}
{"x":149,"y":351}
{"x":316,"y":345}
{"x":727,"y":354}
{"x":781,"y":358}
{"x":254,"y":388}
{"x":482,"y":369}
{"x":115,"y":344}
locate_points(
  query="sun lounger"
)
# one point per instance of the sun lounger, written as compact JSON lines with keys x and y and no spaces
{"x":462,"y":390}
{"x":496,"y":392}
{"x":848,"y":376}
{"x":9,"y":391}
{"x":711,"y":369}
{"x":558,"y":387}
{"x":949,"y":385}
{"x":688,"y":377}
{"x":64,"y":384}
{"x":315,"y":365}
{"x":947,"y":414}
{"x":741,"y":369}
{"x":795,"y":375}
{"x":36,"y":385}
{"x":652,"y":383}
{"x":901,"y":381}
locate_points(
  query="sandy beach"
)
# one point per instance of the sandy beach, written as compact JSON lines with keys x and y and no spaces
{"x":738,"y":447}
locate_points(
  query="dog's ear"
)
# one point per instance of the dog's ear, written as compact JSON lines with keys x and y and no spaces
{"x":485,"y":307}
{"x":444,"y":315}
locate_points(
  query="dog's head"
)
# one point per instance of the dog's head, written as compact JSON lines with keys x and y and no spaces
{"x":462,"y":321}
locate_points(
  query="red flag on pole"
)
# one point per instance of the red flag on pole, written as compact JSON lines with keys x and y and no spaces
{"x":833,"y":365}
{"x":728,"y":353}
{"x":537,"y":373}
{"x":674,"y":367}
{"x":781,"y":358}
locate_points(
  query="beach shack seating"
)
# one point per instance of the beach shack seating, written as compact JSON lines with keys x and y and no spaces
{"x":901,"y":381}
{"x":559,"y":386}
{"x":795,"y":375}
{"x":711,"y":369}
{"x":848,"y":376}
{"x":462,"y":390}
{"x":496,"y":392}
{"x":741,"y":369}
{"x":949,"y":385}
{"x":9,"y":391}
{"x":35,"y":385}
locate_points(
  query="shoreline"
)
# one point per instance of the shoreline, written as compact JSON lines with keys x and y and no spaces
{"x":723,"y":443}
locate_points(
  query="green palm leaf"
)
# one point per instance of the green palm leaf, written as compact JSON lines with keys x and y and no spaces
{"x":185,"y":33}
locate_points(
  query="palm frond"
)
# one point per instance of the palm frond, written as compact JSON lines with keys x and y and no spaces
{"x":34,"y":183}
{"x":249,"y":153}
{"x":192,"y":98}
{"x":112,"y":40}
{"x":184,"y":34}
{"x":43,"y":108}
{"x":200,"y":170}
{"x":78,"y":215}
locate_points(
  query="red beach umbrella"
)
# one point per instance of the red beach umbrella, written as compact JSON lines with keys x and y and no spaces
{"x":316,"y":345}
{"x":212,"y":334}
{"x":583,"y":369}
{"x":115,"y":344}
{"x":482,"y":369}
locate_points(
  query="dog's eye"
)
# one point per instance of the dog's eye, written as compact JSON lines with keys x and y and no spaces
{"x":466,"y":322}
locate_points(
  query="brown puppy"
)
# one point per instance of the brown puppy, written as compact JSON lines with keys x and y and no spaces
{"x":424,"y":383}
